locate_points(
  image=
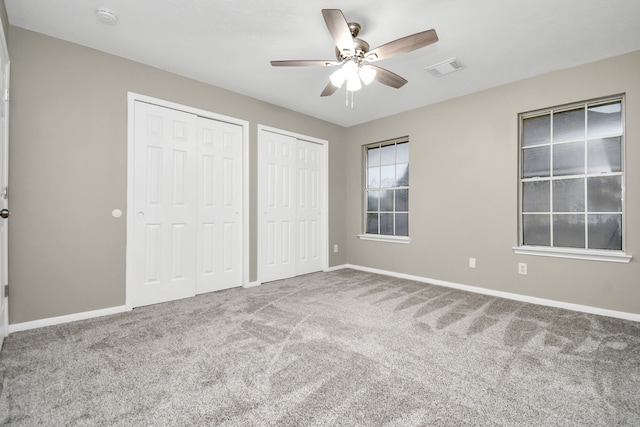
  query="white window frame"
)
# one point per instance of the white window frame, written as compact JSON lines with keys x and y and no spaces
{"x":564,"y":252}
{"x":380,"y":237}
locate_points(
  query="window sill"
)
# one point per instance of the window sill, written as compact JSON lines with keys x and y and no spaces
{"x":591,"y":255}
{"x":383,"y":238}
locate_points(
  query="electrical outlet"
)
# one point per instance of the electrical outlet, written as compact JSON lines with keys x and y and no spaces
{"x":522,"y":268}
{"x":335,"y":249}
{"x":472,"y":263}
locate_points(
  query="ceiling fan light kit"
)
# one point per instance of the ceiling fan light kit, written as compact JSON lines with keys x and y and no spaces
{"x":352,"y":73}
{"x":354,"y":56}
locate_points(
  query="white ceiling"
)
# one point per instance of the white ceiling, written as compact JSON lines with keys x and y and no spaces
{"x":229,"y":43}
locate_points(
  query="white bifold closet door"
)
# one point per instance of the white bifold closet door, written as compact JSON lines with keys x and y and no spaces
{"x":290,"y":184}
{"x":308,"y":210}
{"x":219,"y":215}
{"x":187,"y":227}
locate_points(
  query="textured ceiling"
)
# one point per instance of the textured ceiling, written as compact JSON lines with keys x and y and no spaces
{"x":229,"y":43}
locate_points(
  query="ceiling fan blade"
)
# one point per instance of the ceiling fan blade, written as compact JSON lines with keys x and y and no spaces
{"x":329,"y":90}
{"x":388,"y":78}
{"x":311,"y":63}
{"x":339,"y":29}
{"x":405,"y":44}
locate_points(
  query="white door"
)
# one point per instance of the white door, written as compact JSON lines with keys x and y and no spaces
{"x":164,"y":218}
{"x":278,"y":161}
{"x":291,"y":191}
{"x":4,"y":186}
{"x":219,"y":215}
{"x":308,"y":214}
{"x":187,"y":210}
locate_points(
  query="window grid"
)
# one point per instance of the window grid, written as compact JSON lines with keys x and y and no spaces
{"x":386,"y":196}
{"x":555,"y":145}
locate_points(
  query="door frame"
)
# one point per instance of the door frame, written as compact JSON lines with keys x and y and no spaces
{"x":132,"y":98}
{"x":4,"y":146}
{"x":324,"y":198}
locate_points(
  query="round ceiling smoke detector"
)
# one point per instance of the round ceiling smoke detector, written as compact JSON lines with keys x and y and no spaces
{"x":106,"y":16}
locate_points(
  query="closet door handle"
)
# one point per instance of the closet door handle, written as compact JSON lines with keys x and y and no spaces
{"x":4,"y":213}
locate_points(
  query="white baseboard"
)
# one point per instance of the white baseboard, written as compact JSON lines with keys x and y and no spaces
{"x":340,"y":267}
{"x":508,"y":295}
{"x":41,"y":323}
{"x":18,"y":327}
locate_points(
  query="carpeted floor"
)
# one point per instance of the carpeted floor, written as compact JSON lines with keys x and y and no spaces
{"x":339,"y":348}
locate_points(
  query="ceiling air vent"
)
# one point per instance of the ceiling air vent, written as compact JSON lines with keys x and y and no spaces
{"x":445,"y":67}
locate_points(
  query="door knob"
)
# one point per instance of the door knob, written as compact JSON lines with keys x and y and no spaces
{"x":4,"y":213}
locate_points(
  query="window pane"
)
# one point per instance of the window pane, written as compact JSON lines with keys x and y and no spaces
{"x":386,"y":224}
{"x":387,"y":176}
{"x":386,"y":201}
{"x":402,"y":174}
{"x":568,"y":125}
{"x":536,"y":230}
{"x":372,"y":223}
{"x":568,"y":231}
{"x":373,"y":157}
{"x":604,"y":155}
{"x":536,"y":130}
{"x":402,"y":153}
{"x":568,"y":159}
{"x":604,"y":194}
{"x":571,"y":175}
{"x":568,"y":195}
{"x":536,"y":197}
{"x":605,"y":232}
{"x":536,"y":162}
{"x":373,"y":178}
{"x":402,"y":200}
{"x":388,"y":155}
{"x":373,"y":198}
{"x":387,"y":194}
{"x":605,"y":120}
{"x":402,"y":224}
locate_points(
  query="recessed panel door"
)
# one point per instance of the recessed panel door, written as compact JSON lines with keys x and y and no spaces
{"x":308,"y":212}
{"x":164,"y":227}
{"x":219,"y":237}
{"x":278,"y":216}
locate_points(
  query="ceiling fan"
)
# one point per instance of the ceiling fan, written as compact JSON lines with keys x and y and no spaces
{"x":355,"y":57}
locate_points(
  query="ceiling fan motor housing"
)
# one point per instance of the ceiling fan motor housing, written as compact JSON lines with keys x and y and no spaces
{"x":360,"y":46}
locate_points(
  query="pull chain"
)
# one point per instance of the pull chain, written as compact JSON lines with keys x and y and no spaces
{"x":347,"y":100}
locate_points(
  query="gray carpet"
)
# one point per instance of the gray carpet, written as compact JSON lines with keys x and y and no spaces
{"x":339,"y":348}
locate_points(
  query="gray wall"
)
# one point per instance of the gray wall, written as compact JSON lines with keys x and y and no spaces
{"x":4,"y":18}
{"x":68,"y":134}
{"x":464,"y":174}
